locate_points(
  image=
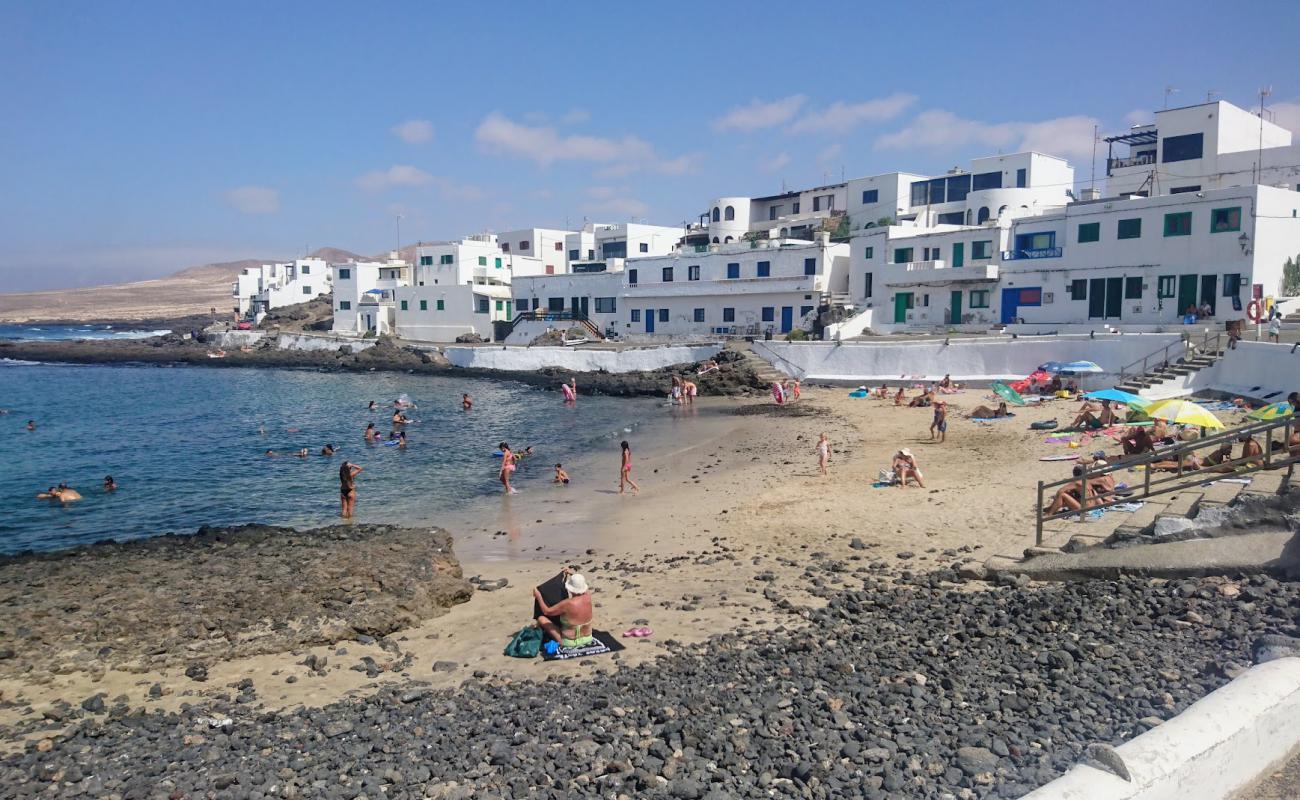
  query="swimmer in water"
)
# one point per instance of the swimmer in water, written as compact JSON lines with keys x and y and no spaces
{"x":301,"y":453}
{"x":327,"y":450}
{"x":465,"y":402}
{"x":560,"y":475}
{"x":371,"y":407}
{"x":67,"y":494}
{"x":110,"y":485}
{"x":270,"y":454}
{"x":31,"y":424}
{"x":401,"y":440}
{"x":371,"y":433}
{"x":400,"y":419}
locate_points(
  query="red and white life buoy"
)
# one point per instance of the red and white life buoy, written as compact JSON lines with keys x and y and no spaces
{"x":1255,"y":311}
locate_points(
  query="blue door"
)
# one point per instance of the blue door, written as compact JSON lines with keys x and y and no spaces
{"x":1010,"y":305}
{"x":649,"y":320}
{"x":787,"y":318}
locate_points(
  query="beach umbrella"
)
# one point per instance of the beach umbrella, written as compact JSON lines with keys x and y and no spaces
{"x":1272,"y":411}
{"x":1118,"y":396}
{"x":1007,"y":393}
{"x":1183,"y":412}
{"x":1075,"y":367}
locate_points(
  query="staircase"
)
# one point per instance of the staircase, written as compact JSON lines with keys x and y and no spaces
{"x":1193,"y":360}
{"x":762,"y":369}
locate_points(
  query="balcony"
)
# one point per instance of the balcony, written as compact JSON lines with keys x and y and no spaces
{"x":922,"y":273}
{"x":1039,"y":252}
{"x":1132,"y":161}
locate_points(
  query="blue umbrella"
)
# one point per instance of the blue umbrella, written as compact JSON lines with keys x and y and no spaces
{"x":1117,"y":396}
{"x":1071,"y":366}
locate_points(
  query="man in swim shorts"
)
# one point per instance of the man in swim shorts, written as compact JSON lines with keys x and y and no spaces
{"x":940,"y":423}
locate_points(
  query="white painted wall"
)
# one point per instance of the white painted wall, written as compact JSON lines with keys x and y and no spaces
{"x":964,"y":359}
{"x":579,"y":360}
{"x":1256,"y":370}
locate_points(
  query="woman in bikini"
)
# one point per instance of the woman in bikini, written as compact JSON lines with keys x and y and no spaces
{"x":507,"y":467}
{"x":984,"y":412}
{"x":625,"y":472}
{"x":348,"y":473}
{"x":574,"y":613}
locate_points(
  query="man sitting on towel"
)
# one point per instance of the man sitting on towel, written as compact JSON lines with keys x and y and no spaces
{"x":569,"y":620}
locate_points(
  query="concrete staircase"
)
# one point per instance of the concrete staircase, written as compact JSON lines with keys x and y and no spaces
{"x":1175,"y":371}
{"x":762,"y":369}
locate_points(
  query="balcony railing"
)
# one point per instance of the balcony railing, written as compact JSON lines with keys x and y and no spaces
{"x":1131,"y":161}
{"x":1037,"y":252}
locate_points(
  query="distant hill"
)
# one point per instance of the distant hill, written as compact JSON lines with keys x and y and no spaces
{"x":193,"y":290}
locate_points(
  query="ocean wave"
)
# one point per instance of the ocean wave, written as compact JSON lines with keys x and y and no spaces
{"x":18,"y":362}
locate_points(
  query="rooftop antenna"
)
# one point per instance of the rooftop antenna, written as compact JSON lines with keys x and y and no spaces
{"x":399,"y":234}
{"x":1092,"y":180}
{"x":1212,"y":95}
{"x":1168,"y":91}
{"x":1259,"y":158}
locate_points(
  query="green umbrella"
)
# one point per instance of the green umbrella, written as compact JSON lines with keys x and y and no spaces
{"x":1274,"y":411}
{"x":1007,"y":393}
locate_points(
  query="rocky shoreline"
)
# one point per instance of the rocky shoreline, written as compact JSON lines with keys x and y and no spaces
{"x":188,"y":601}
{"x":735,"y":377}
{"x":905,"y":687}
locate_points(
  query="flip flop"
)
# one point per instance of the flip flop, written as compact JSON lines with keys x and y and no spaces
{"x":637,"y":633}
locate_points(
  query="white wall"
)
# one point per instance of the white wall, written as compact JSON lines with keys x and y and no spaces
{"x":579,"y":360}
{"x":964,"y":359}
{"x":1256,"y":370}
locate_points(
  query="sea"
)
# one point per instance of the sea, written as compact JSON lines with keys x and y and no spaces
{"x":39,"y":332}
{"x":187,"y":446}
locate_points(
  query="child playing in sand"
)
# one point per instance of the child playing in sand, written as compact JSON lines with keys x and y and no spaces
{"x":823,"y":453}
{"x":560,"y":475}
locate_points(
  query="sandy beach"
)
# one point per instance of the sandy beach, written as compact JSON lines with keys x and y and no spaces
{"x":720,"y":525}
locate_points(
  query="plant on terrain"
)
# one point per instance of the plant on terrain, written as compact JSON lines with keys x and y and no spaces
{"x":1291,"y":277}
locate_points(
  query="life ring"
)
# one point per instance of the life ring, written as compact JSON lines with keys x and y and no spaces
{"x":1255,"y":311}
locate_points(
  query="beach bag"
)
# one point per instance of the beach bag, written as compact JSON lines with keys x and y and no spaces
{"x":525,"y":644}
{"x":1045,"y":425}
{"x":887,"y":476}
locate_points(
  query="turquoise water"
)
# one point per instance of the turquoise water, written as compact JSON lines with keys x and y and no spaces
{"x":184,"y":444}
{"x":38,"y":332}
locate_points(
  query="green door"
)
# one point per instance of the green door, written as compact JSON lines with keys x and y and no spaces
{"x":902,"y":302}
{"x":1114,"y":297}
{"x":1186,"y":293}
{"x":959,"y":254}
{"x":954,"y":315}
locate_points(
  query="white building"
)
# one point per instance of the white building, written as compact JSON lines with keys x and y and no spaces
{"x":1199,"y":148}
{"x":460,"y":287}
{"x":545,"y":244}
{"x":738,"y":289}
{"x":259,"y":289}
{"x":364,"y":294}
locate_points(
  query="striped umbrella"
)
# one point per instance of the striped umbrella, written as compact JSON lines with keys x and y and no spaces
{"x":1272,"y":411}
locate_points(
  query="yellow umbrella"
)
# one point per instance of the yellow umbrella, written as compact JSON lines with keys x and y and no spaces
{"x":1183,"y":412}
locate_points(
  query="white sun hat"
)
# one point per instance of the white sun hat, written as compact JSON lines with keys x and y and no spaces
{"x":576,"y":584}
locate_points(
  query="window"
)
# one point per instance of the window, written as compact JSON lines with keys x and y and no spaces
{"x":1079,"y":289}
{"x":729,"y":215}
{"x":306,"y":290}
{"x":636,"y":315}
{"x":983,"y":215}
{"x":499,"y":308}
{"x":717,"y":215}
{"x":482,"y":261}
{"x":559,"y":246}
{"x":769,"y":313}
{"x":631,"y":277}
{"x":663,"y":315}
{"x":1178,"y":224}
{"x":1181,"y":189}
{"x":979,"y":298}
{"x":1225,"y":219}
{"x":1132,"y":288}
{"x":426,"y":261}
{"x":1231,"y":284}
{"x":693,"y":272}
{"x":764,"y":268}
{"x":957,"y":186}
{"x":866,"y":289}
{"x":643,"y":247}
{"x":446,"y":259}
{"x":986,"y":180}
{"x":550,"y":269}
{"x":481,"y":305}
{"x":1089,"y":232}
{"x":1165,"y":286}
{"x":521,"y":305}
{"x":1182,"y":148}
{"x":591,"y":255}
{"x":773,"y":212}
{"x":795,"y":208}
{"x":574,"y":255}
{"x":824,"y":202}
{"x":902,"y":255}
{"x":952,"y":218}
{"x":1021,"y":178}
{"x":981,"y":249}
{"x":699,"y":312}
{"x":606,"y":305}
{"x":405,"y":307}
{"x":555,"y":304}
{"x":345,"y":305}
{"x":810,"y":266}
{"x":306,"y":269}
{"x":1129,"y":229}
{"x":345,"y":273}
{"x":871,"y":253}
{"x":613,"y":249}
{"x":733,"y":270}
{"x":668,"y":274}
{"x":728,"y":315}
{"x":870,"y":196}
{"x":441,"y":304}
{"x":524,"y":245}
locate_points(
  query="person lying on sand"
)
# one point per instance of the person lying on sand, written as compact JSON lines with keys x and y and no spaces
{"x":709,"y":366}
{"x":568,"y":622}
{"x":1191,"y":463}
{"x":984,"y":412}
{"x":905,"y":467}
{"x":1136,"y":441}
{"x":1070,"y":497}
{"x":924,"y":400}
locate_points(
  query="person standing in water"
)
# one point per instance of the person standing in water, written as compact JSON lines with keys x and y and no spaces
{"x":466,"y":403}
{"x":570,"y":390}
{"x":371,"y":433}
{"x":507,"y":467}
{"x":823,"y":452}
{"x":348,"y":473}
{"x":625,"y":471}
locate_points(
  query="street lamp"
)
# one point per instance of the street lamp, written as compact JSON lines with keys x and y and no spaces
{"x":1244,"y":241}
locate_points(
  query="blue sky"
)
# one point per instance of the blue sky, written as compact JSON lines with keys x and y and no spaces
{"x":142,"y":137}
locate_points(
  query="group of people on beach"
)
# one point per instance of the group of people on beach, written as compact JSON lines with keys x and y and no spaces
{"x":786,"y":390}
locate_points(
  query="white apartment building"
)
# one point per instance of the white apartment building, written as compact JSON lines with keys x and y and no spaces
{"x":1202,"y":147}
{"x":364,"y":294}
{"x":545,"y":244}
{"x":259,"y":289}
{"x":459,"y":287}
{"x":741,"y":289}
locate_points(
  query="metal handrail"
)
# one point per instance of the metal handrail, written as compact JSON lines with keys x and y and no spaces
{"x":1163,"y":353}
{"x":1177,"y":480}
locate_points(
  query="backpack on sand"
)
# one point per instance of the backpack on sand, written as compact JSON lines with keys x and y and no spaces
{"x":525,"y":644}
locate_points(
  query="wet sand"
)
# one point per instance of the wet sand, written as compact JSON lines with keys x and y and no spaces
{"x":723,"y":529}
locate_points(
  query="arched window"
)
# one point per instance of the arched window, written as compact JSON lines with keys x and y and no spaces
{"x":716,"y":215}
{"x":983,"y":215}
{"x":968,"y":216}
{"x":728,"y":240}
{"x":715,"y":239}
{"x":785,"y":232}
{"x":731,"y":213}
{"x":1002,"y":211}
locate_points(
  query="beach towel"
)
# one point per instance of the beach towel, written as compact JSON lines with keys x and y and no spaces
{"x":992,"y":419}
{"x":1058,"y":439}
{"x":603,"y":643}
{"x":1061,"y":457}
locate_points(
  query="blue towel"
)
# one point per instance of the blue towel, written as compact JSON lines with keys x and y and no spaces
{"x":994,"y":419}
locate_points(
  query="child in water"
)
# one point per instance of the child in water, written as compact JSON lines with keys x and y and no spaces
{"x":465,"y":402}
{"x":560,"y":475}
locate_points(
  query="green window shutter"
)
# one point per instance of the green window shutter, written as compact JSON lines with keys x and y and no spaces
{"x":1129,"y":228}
{"x":440,"y":306}
{"x":404,"y":306}
{"x":1089,"y":232}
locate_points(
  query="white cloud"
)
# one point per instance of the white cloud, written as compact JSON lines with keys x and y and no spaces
{"x":830,"y":153}
{"x":576,"y":116}
{"x":843,"y":117}
{"x":398,"y":175}
{"x":415,"y":131}
{"x":1139,"y":116}
{"x":1287,"y":115}
{"x":462,"y":192}
{"x":546,"y":146}
{"x":253,"y":199}
{"x":776,"y":163}
{"x":942,"y":130}
{"x":759,"y":114}
{"x":614,"y":201}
